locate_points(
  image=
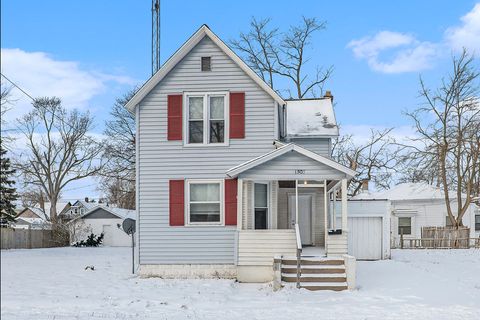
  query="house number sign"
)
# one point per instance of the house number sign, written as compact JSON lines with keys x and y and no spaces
{"x":299,"y":171}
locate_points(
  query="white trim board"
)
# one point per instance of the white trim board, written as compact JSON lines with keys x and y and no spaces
{"x":235,"y":171}
{"x":203,"y":31}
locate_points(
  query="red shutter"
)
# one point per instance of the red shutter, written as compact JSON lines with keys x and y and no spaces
{"x":174,"y":117}
{"x":231,"y":202}
{"x":237,"y":115}
{"x":177,"y":203}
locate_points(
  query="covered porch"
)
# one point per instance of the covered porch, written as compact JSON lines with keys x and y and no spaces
{"x":286,"y":206}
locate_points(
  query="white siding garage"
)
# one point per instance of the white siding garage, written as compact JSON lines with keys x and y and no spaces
{"x":106,"y":220}
{"x":365,"y":237}
{"x":369,"y":229}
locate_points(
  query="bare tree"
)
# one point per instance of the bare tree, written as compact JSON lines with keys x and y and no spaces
{"x":118,"y":175}
{"x":375,"y":160}
{"x":448,"y":128}
{"x":31,"y":197}
{"x":269,"y":52}
{"x":6,"y":103}
{"x":258,"y":48}
{"x":59,"y":149}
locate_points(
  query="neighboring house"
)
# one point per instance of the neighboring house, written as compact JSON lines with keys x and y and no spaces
{"x":33,"y":218}
{"x":102,"y":219}
{"x":231,"y":175}
{"x":37,"y":217}
{"x":79,"y":207}
{"x":417,"y":205}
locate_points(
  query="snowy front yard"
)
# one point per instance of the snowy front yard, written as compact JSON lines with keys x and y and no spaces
{"x":53,"y":284}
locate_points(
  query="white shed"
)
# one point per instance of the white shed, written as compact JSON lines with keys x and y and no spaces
{"x":106,"y":220}
{"x":369,"y":229}
{"x":417,"y":205}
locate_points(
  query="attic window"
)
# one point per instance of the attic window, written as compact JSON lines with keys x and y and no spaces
{"x":206,"y":64}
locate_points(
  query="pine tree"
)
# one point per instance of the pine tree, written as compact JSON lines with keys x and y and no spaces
{"x":8,"y":194}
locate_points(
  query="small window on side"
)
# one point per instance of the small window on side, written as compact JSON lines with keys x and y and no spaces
{"x":206,"y":64}
{"x":405,"y":225}
{"x":448,"y":222}
{"x":477,"y":222}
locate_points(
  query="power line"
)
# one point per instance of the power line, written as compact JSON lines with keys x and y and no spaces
{"x":54,"y":114}
{"x":18,"y":87}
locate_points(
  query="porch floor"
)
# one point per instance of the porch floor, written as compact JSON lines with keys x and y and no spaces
{"x":313,"y":252}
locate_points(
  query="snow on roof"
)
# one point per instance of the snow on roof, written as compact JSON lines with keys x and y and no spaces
{"x":39,"y":212}
{"x":311,"y":118}
{"x":119,"y":212}
{"x":405,"y":191}
{"x":32,"y":221}
{"x":85,"y":204}
{"x":123,"y":213}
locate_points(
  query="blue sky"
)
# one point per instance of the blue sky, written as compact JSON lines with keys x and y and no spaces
{"x":90,"y":52}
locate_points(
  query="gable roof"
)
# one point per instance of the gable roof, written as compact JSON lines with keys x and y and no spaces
{"x":407,"y":191}
{"x":37,"y":211}
{"x":203,"y":31}
{"x":118,"y":212}
{"x":86,"y":205}
{"x":235,"y":171}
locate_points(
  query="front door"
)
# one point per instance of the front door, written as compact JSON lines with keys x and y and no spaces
{"x":304,"y":216}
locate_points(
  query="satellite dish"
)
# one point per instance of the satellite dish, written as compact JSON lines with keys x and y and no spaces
{"x":128,"y":225}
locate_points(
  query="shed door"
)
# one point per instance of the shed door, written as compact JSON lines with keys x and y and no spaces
{"x":107,"y":235}
{"x":365,"y":237}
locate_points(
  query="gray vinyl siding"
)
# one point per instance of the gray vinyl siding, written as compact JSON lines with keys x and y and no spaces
{"x":161,"y":160}
{"x":322,"y":146}
{"x":100,"y":214}
{"x":281,"y":169}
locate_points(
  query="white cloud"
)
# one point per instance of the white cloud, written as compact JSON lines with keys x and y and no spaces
{"x":411,"y":55}
{"x":361,"y":133}
{"x":408,"y":54}
{"x":467,"y":34}
{"x":41,"y":75}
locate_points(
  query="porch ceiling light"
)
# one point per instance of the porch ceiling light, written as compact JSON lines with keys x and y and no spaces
{"x":304,"y":181}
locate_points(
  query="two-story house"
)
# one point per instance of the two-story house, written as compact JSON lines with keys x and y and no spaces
{"x":232,"y":180}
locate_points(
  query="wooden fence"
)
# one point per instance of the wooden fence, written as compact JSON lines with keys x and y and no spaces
{"x":30,"y":239}
{"x":441,"y":238}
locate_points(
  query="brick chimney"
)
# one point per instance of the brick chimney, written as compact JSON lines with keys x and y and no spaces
{"x":365,"y":185}
{"x":328,"y":94}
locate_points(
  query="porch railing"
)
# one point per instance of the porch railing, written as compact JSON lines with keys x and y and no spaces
{"x":299,"y":253}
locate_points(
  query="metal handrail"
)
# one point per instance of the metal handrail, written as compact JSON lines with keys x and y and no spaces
{"x":299,"y":253}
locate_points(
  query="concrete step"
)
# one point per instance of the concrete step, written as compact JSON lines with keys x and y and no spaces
{"x":315,"y":278}
{"x":317,"y":270}
{"x":315,"y":286}
{"x":313,"y":262}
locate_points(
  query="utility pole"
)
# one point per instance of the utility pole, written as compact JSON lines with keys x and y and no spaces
{"x":155,"y":36}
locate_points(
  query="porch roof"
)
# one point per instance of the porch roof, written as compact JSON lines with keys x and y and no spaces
{"x":291,"y":161}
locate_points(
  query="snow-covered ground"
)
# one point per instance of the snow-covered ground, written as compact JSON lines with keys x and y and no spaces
{"x":53,"y":284}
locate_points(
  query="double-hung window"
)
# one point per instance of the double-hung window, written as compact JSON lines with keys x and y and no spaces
{"x":477,"y":222}
{"x":205,"y":202}
{"x":207,"y":121}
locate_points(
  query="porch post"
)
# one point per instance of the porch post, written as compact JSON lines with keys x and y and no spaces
{"x":334,"y":213}
{"x":344,"y":205}
{"x":239,"y":204}
{"x":325,"y":207}
{"x":296,"y":201}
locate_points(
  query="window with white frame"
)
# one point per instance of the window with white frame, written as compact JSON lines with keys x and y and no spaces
{"x":206,"y":118}
{"x":205,"y":202}
{"x":261,"y":205}
{"x":405,"y":225}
